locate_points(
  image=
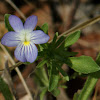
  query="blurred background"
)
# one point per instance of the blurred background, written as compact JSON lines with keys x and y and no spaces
{"x":60,"y":15}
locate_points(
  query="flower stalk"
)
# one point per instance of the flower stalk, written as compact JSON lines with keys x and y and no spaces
{"x":88,"y":87}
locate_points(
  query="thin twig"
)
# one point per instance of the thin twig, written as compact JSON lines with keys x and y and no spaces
{"x":16,"y":8}
{"x":79,"y":27}
{"x":18,"y":72}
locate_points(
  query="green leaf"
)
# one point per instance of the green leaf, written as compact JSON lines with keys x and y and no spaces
{"x":7,"y":25}
{"x":60,"y":40}
{"x":72,"y":38}
{"x":64,"y":53}
{"x":41,"y":63}
{"x":55,"y":37}
{"x":58,"y":57}
{"x":96,"y":74}
{"x":76,"y":95}
{"x":68,"y":54}
{"x":55,"y":92}
{"x":41,"y":77}
{"x":63,"y":86}
{"x":51,"y":46}
{"x":54,"y":78}
{"x":66,"y":77}
{"x":40,"y":47}
{"x":98,"y":59}
{"x":5,"y":90}
{"x":53,"y":82}
{"x":41,"y":54}
{"x":45,"y":28}
{"x":38,"y":28}
{"x":83,"y":64}
{"x":43,"y":93}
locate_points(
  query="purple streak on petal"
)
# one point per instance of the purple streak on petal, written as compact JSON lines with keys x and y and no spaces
{"x":31,"y":52}
{"x":30,"y":23}
{"x":16,"y":23}
{"x":39,"y":37}
{"x":11,"y":39}
{"x":20,"y":53}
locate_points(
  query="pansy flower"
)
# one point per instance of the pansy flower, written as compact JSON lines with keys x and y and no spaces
{"x":25,"y":38}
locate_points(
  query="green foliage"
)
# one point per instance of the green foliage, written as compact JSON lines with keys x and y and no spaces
{"x":41,"y":77}
{"x":55,"y":92}
{"x":45,"y":28}
{"x":71,"y":39}
{"x":56,"y":53}
{"x":65,"y":54}
{"x":53,"y":77}
{"x":8,"y":26}
{"x":83,"y":64}
{"x":4,"y":89}
{"x":96,"y":74}
{"x":59,"y":41}
{"x":66,"y":77}
{"x":98,"y":59}
{"x":55,"y":38}
{"x":53,"y":82}
{"x":43,"y":93}
{"x":38,"y":28}
{"x":63,"y":86}
{"x":76,"y":95}
{"x":41,"y":63}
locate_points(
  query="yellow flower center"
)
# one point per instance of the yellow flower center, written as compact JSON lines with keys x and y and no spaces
{"x":26,"y":43}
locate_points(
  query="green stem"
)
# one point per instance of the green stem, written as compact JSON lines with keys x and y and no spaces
{"x":41,"y":74}
{"x":88,"y":88}
{"x":14,"y":66}
{"x":90,"y":83}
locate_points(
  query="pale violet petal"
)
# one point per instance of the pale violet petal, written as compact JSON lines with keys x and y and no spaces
{"x":30,"y":23}
{"x":20,"y":52}
{"x":31,"y":52}
{"x":11,"y":39}
{"x":39,"y":37}
{"x":16,"y":23}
